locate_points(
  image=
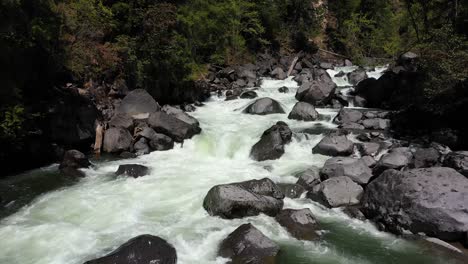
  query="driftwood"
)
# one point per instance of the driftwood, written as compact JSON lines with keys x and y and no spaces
{"x":98,"y":141}
{"x":293,"y":64}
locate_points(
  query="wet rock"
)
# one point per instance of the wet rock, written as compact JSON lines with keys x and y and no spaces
{"x":144,"y":249}
{"x":175,"y":128}
{"x":359,"y":101}
{"x":291,"y":190}
{"x":248,"y":245}
{"x":127,"y":155}
{"x":231,"y":97}
{"x":458,"y":160}
{"x":117,"y":140}
{"x":309,"y":178}
{"x":336,"y":192}
{"x":301,"y":224}
{"x":278,"y":73}
{"x":283,"y":89}
{"x":141,"y":147}
{"x":264,"y":106}
{"x":122,"y":120}
{"x":132,"y":170}
{"x":354,"y":212}
{"x":272,"y":142}
{"x":433,"y":201}
{"x":317,"y":92}
{"x":426,"y":157}
{"x":242,"y":199}
{"x":369,"y":148}
{"x":138,"y":102}
{"x":397,"y":158}
{"x":355,"y":169}
{"x":181,"y":115}
{"x":334,"y":145}
{"x":303,"y":111}
{"x":347,"y":115}
{"x":249,"y":95}
{"x":357,"y":76}
{"x":376,"y":123}
{"x":156,"y":141}
{"x":74,"y":159}
{"x":340,"y":74}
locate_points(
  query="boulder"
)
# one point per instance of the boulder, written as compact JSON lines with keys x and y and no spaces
{"x":272,"y":142}
{"x":144,"y":249}
{"x":172,"y":126}
{"x":138,"y":102}
{"x":242,"y":199}
{"x":278,"y":73}
{"x":359,"y":101}
{"x":248,"y":95}
{"x":369,"y":161}
{"x":309,"y":178}
{"x":347,"y":63}
{"x":264,"y":106}
{"x":357,"y":76}
{"x":141,"y":147}
{"x":347,"y":115}
{"x":354,"y":212}
{"x":291,"y":190}
{"x":426,"y":158}
{"x":303,"y":111}
{"x":248,"y":245}
{"x":122,"y":120}
{"x":301,"y":224}
{"x":283,"y":89}
{"x":326,"y":65}
{"x":117,"y":140}
{"x":458,"y":160}
{"x":433,"y":201}
{"x":369,"y":148}
{"x":181,"y":115}
{"x":355,"y":169}
{"x":318,"y":91}
{"x":336,"y":192}
{"x":340,"y":74}
{"x":334,"y":145}
{"x":397,"y":158}
{"x":132,"y":170}
{"x":376,"y":123}
{"x":74,"y":159}
{"x":127,"y":155}
{"x":156,"y":141}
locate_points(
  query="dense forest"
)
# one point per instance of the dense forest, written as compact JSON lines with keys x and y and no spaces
{"x":164,"y":46}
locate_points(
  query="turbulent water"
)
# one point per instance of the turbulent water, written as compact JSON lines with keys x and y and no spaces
{"x":94,"y":216}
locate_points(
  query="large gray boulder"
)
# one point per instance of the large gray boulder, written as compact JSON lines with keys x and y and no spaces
{"x":318,"y":91}
{"x":242,"y":199}
{"x":334,"y":145}
{"x":248,"y":245}
{"x":144,"y":249}
{"x":172,"y":126}
{"x":272,"y":142}
{"x":181,"y":115}
{"x":303,"y":111}
{"x":301,"y":224}
{"x":309,"y":178}
{"x":433,"y":201}
{"x":457,"y":160}
{"x":337,"y":192}
{"x":117,"y":140}
{"x":264,"y":106}
{"x":138,"y":102}
{"x":356,"y":169}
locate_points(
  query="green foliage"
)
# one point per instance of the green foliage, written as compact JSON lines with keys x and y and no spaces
{"x":12,"y":120}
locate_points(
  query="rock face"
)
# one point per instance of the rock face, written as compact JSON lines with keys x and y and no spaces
{"x":144,"y":249}
{"x":303,"y":111}
{"x":172,"y":126}
{"x":248,"y":245}
{"x":458,"y":160}
{"x":291,"y":190}
{"x":132,"y":170}
{"x":319,"y":91}
{"x":336,"y":192}
{"x":138,"y":102}
{"x":250,"y":198}
{"x":74,"y":159}
{"x":334,"y":145}
{"x":300,"y":223}
{"x":272,"y":142}
{"x":117,"y":140}
{"x":309,"y":178}
{"x":264,"y":106}
{"x":355,"y":169}
{"x":433,"y":201}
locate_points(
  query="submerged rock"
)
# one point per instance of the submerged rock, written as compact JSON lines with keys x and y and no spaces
{"x":250,"y":198}
{"x":132,"y":170}
{"x":144,"y":249}
{"x":272,"y":142}
{"x":303,"y":111}
{"x":172,"y":126}
{"x":138,"y":102}
{"x":336,"y":192}
{"x":301,"y":224}
{"x":248,"y":245}
{"x":334,"y":145}
{"x":117,"y":140}
{"x":433,"y":201}
{"x":264,"y":106}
